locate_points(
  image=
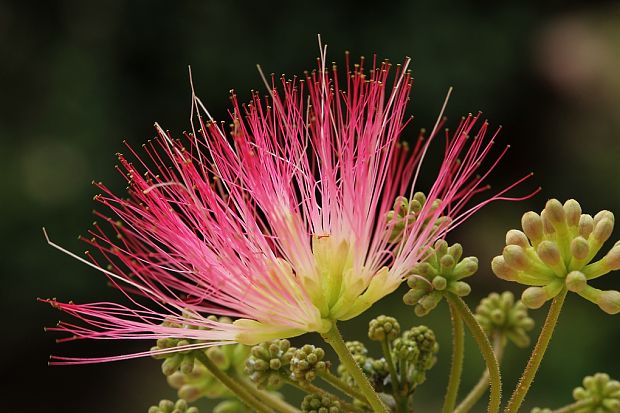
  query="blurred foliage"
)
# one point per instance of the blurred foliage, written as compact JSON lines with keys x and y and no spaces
{"x":77,"y":77}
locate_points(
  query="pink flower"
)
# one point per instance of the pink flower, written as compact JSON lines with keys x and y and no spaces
{"x":280,"y":223}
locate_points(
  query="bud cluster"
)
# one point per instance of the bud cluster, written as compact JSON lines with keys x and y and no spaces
{"x":314,"y":403}
{"x":553,"y":252}
{"x":269,"y":362}
{"x":599,"y":393}
{"x":428,"y":347}
{"x":500,"y":314}
{"x":405,"y":213}
{"x":168,"y":406}
{"x":442,"y":271}
{"x":307,"y":363}
{"x":186,"y":374}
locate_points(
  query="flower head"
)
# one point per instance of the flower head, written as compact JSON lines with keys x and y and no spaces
{"x":282,"y":223}
{"x":554,"y":251}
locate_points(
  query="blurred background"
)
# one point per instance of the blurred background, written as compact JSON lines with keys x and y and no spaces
{"x":78,"y":77}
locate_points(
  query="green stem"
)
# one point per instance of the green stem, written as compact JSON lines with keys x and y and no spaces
{"x":312,"y":389}
{"x":334,"y":338}
{"x":537,"y":354}
{"x":456,"y":369}
{"x":484,"y":345}
{"x":236,"y":388}
{"x":570,"y":408}
{"x":397,"y":389}
{"x":483,"y":384}
{"x":342,"y":386}
{"x":274,"y":402}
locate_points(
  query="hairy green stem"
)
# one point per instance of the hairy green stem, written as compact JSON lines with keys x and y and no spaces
{"x":242,"y":393}
{"x":537,"y":354}
{"x":275,"y":403}
{"x":484,"y":345}
{"x":334,"y":339}
{"x":342,"y":386}
{"x":483,"y":384}
{"x":397,"y":388}
{"x":456,"y":369}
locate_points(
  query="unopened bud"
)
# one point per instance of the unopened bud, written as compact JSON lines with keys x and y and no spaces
{"x":548,"y":227}
{"x":612,"y":259}
{"x":609,"y":301}
{"x":439,"y":283}
{"x":456,"y":251}
{"x":549,"y":253}
{"x":534,"y":297}
{"x":532,"y":226}
{"x":573,"y":212}
{"x":515,"y":257}
{"x":555,"y":212}
{"x":516,"y":237}
{"x":602,"y":229}
{"x":468,"y":266}
{"x":586,"y":225}
{"x":576,"y":281}
{"x":460,"y":288}
{"x":503,"y":270}
{"x":579,"y":248}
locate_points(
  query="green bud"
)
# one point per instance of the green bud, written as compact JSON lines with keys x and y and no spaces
{"x":532,"y":226}
{"x":167,"y":406}
{"x":500,"y":314}
{"x":516,"y":237}
{"x":579,"y":248}
{"x":406,"y":349}
{"x":573,"y":212}
{"x":601,"y":394}
{"x":439,"y":283}
{"x":503,"y":270}
{"x":586,"y":225}
{"x":230,"y":406}
{"x":609,"y":301}
{"x":307,"y":363}
{"x":314,"y":403}
{"x":515,"y":257}
{"x":534,"y":297}
{"x":576,"y":281}
{"x":459,"y":288}
{"x":555,"y":212}
{"x":268,"y":363}
{"x":383,"y":328}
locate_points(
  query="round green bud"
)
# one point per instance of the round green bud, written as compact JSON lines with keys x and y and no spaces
{"x":230,"y":406}
{"x":314,"y":403}
{"x":612,"y":258}
{"x":439,"y":283}
{"x":555,"y":212}
{"x":383,"y":328}
{"x":602,"y":229}
{"x":406,"y":349}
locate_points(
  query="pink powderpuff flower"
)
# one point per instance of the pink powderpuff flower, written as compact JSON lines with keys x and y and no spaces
{"x":280,"y":223}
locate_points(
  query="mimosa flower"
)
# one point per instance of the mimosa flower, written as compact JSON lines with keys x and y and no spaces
{"x":282,"y":223}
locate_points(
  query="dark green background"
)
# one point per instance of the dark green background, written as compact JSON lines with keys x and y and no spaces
{"x":77,"y":77}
